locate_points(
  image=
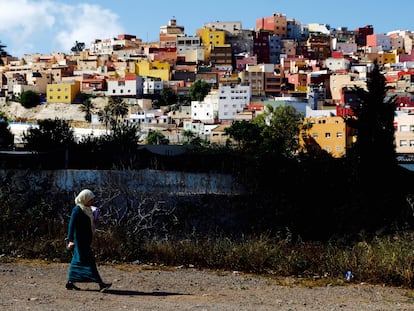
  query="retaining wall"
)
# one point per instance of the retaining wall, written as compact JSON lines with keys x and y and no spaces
{"x":152,"y":181}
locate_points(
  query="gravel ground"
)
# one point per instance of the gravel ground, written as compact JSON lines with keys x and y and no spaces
{"x":38,"y":286}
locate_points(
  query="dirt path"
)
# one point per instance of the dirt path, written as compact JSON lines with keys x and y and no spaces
{"x":34,"y":286}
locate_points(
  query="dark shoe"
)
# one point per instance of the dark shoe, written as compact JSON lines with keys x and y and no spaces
{"x":70,"y":286}
{"x":104,"y":286}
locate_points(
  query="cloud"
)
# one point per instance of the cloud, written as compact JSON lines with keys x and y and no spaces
{"x":46,"y":26}
{"x":85,"y":23}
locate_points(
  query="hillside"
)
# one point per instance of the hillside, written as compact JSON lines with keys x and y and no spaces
{"x":70,"y":112}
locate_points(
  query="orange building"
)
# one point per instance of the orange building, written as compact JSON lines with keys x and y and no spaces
{"x":276,"y":24}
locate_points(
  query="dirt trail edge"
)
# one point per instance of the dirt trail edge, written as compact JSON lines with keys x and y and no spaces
{"x":34,"y":286}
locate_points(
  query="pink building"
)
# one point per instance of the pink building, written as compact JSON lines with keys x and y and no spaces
{"x":243,"y":61}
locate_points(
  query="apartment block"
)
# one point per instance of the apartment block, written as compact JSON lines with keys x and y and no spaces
{"x":232,"y":100}
{"x":404,"y":133}
{"x":327,"y":134}
{"x":62,"y":92}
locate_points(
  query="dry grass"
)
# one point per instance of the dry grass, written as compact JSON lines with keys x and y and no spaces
{"x":387,"y":260}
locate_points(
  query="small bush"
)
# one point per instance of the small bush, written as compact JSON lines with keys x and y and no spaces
{"x":29,"y":99}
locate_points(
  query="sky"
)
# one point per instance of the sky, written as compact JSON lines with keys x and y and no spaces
{"x":47,"y":26}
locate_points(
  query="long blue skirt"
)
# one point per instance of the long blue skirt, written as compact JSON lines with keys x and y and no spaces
{"x":83,"y":266}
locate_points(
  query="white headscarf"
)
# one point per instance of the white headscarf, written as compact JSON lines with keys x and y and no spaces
{"x":82,"y":199}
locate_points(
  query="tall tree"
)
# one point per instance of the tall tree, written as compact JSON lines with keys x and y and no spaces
{"x":378,"y":180}
{"x":374,"y":123}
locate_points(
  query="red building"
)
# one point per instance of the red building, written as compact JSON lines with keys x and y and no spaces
{"x":261,"y":47}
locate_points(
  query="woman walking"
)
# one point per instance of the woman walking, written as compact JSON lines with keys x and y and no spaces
{"x":81,"y":230}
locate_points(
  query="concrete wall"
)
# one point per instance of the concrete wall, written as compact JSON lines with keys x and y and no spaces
{"x":151,"y":181}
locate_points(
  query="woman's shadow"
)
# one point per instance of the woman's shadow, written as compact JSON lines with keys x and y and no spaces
{"x":139,"y":293}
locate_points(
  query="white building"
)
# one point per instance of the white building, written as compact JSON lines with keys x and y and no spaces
{"x":231,"y":27}
{"x":199,"y":129}
{"x":152,"y":116}
{"x":317,"y":27}
{"x":129,"y":86}
{"x":232,"y":100}
{"x":206,"y":111}
{"x":335,"y":64}
{"x":109,"y":45}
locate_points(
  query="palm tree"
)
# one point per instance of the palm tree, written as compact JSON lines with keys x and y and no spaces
{"x":105,"y":116}
{"x":188,"y":136}
{"x":118,"y":108}
{"x":87,"y":107}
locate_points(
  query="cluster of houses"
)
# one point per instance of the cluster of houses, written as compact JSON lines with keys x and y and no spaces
{"x":312,"y":67}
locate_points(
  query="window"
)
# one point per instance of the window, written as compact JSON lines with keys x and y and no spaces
{"x":403,"y":128}
{"x":327,"y":135}
{"x":411,"y":143}
{"x":339,"y":134}
{"x":403,"y":143}
{"x":315,"y":135}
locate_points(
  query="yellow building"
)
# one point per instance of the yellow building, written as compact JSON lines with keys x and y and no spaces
{"x":327,"y":134}
{"x":382,"y":58}
{"x":64,"y":92}
{"x":211,"y":38}
{"x":153,"y":69}
{"x":389,"y":58}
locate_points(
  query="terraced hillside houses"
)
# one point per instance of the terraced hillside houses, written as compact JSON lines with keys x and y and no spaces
{"x":312,"y":67}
